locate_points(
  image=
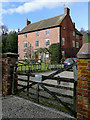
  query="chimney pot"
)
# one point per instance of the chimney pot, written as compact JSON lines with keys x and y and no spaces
{"x":66,"y":11}
{"x":28,"y":22}
{"x":74,"y":25}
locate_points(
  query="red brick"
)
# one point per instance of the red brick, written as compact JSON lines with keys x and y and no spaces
{"x":54,"y":37}
{"x":82,"y":64}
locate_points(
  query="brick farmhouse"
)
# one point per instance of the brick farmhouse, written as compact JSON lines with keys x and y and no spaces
{"x":42,"y":34}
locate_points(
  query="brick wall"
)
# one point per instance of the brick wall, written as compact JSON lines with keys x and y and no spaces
{"x":54,"y":36}
{"x":31,"y":37}
{"x":8,"y":63}
{"x":67,"y":30}
{"x":83,"y":89}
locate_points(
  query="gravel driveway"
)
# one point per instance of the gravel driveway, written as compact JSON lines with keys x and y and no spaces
{"x":16,"y":107}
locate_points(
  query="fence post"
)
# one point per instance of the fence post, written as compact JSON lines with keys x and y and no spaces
{"x":83,"y":83}
{"x":28,"y":83}
{"x":14,"y":84}
{"x":37,"y":93}
{"x":75,"y":99}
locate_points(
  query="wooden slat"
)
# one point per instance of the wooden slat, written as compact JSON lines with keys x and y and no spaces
{"x":23,"y":80}
{"x":56,"y":86}
{"x":61,"y":70}
{"x":56,"y":98}
{"x":27,"y":97}
{"x":20,"y":90}
{"x":52,"y":99}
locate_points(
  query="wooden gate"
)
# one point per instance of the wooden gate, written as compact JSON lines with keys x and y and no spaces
{"x":52,"y":90}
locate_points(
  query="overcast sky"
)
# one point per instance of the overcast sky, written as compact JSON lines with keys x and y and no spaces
{"x":14,"y":14}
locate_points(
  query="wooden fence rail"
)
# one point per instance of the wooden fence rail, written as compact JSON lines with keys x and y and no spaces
{"x":47,"y":94}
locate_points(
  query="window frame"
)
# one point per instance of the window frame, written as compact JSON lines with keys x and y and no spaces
{"x":77,"y":37}
{"x":73,"y":33}
{"x":73,"y":42}
{"x":24,"y":36}
{"x":24,"y":54}
{"x":26,"y":44}
{"x":77,"y":44}
{"x":46,"y":32}
{"x":46,"y":42}
{"x":37,"y":41}
{"x":63,"y":41}
{"x":37,"y":33}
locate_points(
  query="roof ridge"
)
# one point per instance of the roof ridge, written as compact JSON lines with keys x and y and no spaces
{"x":47,"y":19}
{"x":46,"y":23}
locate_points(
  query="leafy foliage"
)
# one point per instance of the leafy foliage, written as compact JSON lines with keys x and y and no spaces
{"x":10,"y":42}
{"x":55,"y":53}
{"x":86,"y":36}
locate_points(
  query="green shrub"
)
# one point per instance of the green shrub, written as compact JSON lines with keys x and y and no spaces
{"x":55,"y":53}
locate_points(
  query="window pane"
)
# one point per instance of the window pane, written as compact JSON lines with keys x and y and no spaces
{"x":47,"y":42}
{"x":73,"y":43}
{"x":37,"y":33}
{"x":73,"y":33}
{"x":63,"y":41}
{"x":46,"y":32}
{"x":77,"y":36}
{"x":37,"y":43}
{"x":77,"y":45}
{"x":25,"y":55}
{"x":25,"y":36}
{"x":25,"y":44}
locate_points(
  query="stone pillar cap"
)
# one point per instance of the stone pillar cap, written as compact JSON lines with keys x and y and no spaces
{"x":9,"y":54}
{"x":84,"y":52}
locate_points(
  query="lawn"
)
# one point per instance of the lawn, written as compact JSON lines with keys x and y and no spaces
{"x":38,"y":67}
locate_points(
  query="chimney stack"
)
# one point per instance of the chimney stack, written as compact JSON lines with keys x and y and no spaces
{"x":28,"y":22}
{"x":66,"y":11}
{"x":74,"y":25}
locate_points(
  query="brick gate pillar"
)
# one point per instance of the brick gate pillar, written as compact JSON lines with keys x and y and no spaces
{"x":83,"y":83}
{"x":8,"y":63}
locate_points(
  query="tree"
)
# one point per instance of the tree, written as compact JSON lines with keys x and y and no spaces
{"x":4,"y":30}
{"x":4,"y":39}
{"x":29,"y":51}
{"x":55,"y":53}
{"x":12,"y":42}
{"x":9,"y":42}
{"x":86,"y":36}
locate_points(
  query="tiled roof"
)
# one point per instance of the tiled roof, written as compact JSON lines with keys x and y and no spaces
{"x":78,"y":32}
{"x":46,"y":23}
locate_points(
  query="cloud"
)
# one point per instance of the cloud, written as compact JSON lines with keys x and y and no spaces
{"x":45,"y":0}
{"x":1,"y":14}
{"x":36,"y":5}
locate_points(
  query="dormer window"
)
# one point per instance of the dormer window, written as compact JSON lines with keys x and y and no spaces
{"x":24,"y":36}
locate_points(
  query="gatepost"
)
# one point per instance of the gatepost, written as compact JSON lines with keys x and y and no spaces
{"x":8,"y":64}
{"x":83,"y":83}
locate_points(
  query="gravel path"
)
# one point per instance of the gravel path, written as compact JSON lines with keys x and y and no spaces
{"x":16,"y":107}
